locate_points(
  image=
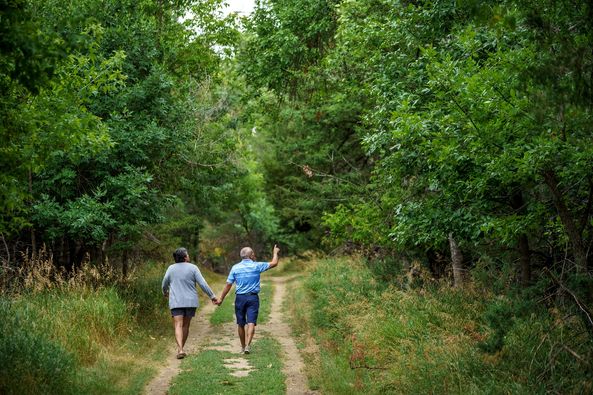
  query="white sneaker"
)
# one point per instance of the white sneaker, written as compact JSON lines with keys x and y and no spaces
{"x":247,"y":350}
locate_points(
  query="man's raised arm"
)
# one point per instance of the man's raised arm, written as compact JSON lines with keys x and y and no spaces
{"x":275,"y":258}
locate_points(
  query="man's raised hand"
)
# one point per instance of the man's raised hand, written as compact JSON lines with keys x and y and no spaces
{"x":275,"y":258}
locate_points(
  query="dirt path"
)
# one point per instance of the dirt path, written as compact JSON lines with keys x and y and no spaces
{"x":198,"y":333}
{"x":294,"y":367}
{"x":204,"y":336}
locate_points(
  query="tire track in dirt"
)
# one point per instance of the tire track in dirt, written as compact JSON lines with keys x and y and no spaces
{"x":294,"y":367}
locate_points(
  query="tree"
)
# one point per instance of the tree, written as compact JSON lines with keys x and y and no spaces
{"x":112,"y":136}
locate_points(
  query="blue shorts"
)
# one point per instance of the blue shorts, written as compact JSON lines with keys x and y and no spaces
{"x":183,"y":311}
{"x":246,"y":309}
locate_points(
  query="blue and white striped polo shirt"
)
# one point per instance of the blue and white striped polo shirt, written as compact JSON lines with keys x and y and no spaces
{"x":246,"y":274}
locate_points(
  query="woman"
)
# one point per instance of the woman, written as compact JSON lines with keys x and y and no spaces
{"x":179,"y":285}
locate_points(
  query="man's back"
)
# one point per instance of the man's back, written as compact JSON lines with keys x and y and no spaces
{"x":246,"y":274}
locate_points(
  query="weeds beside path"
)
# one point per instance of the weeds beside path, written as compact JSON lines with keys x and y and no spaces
{"x":215,"y":365}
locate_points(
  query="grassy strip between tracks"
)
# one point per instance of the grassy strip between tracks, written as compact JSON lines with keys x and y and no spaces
{"x":206,"y":373}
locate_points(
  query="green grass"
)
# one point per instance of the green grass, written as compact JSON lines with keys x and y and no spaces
{"x":377,"y":338}
{"x":74,"y":342}
{"x":329,"y":369}
{"x":79,"y":338}
{"x":205,"y":372}
{"x":226,"y":311}
{"x":30,"y":361}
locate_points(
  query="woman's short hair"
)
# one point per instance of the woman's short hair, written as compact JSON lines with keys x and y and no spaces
{"x":180,"y":254}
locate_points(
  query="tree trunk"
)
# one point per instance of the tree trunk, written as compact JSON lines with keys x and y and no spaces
{"x":80,"y":253}
{"x":33,"y":239}
{"x":196,"y":244}
{"x":6,"y":262}
{"x":457,"y":261}
{"x":124,"y":263}
{"x":522,"y":241}
{"x":104,"y":257}
{"x":573,"y":232}
{"x":70,"y":256}
{"x":525,"y":260}
{"x":62,"y":260}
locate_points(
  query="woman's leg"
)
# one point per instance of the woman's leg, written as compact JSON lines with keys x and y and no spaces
{"x":186,"y":322}
{"x":178,"y":325}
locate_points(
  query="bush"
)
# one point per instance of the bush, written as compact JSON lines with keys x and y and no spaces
{"x":30,"y":362}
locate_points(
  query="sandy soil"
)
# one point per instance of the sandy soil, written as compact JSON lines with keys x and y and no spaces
{"x":294,"y":367}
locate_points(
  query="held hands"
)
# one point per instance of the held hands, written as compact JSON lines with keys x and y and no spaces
{"x":217,"y":301}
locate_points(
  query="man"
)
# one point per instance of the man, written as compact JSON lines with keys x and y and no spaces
{"x":247,"y":276}
{"x":179,"y":285}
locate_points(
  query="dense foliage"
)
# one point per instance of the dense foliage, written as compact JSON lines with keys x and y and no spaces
{"x":115,"y":118}
{"x":448,"y":136}
{"x":425,"y":127}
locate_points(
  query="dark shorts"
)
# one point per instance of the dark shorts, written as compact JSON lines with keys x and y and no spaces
{"x":184,"y":311}
{"x":246,"y":309}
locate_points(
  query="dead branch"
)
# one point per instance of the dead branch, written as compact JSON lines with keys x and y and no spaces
{"x":584,"y":308}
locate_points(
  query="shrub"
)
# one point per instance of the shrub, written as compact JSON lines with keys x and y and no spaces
{"x":30,"y":362}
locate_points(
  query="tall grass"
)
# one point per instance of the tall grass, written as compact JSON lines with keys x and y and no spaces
{"x":31,"y":362}
{"x":379,"y":338}
{"x":75,"y":332}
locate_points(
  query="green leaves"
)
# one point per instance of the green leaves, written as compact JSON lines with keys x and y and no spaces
{"x":459,"y":107}
{"x":125,"y":114}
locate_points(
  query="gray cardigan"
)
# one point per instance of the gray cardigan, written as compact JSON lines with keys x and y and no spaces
{"x":180,"y":281}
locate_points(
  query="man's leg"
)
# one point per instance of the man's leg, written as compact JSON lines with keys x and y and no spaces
{"x":250,"y":333}
{"x":252,"y":312}
{"x":241,"y":331}
{"x":178,"y":324}
{"x":240,"y":314}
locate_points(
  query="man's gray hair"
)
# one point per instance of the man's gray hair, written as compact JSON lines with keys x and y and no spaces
{"x":180,"y":254}
{"x":246,"y":252}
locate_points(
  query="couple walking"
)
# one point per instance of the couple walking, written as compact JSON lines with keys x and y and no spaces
{"x":179,"y":285}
